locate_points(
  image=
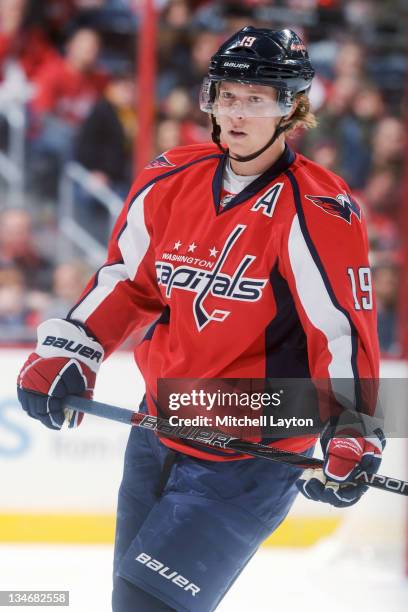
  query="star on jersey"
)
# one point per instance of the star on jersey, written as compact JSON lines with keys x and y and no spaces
{"x":192,"y":247}
{"x":235,"y":286}
{"x":177,"y":245}
{"x":213,"y":252}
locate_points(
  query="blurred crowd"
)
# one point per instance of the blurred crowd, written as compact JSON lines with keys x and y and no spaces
{"x":74,"y":62}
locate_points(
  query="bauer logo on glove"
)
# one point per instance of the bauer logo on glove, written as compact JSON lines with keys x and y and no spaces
{"x":64,"y":362}
{"x":73,"y":347}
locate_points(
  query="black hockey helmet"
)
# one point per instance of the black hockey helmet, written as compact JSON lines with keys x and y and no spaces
{"x":277,"y":58}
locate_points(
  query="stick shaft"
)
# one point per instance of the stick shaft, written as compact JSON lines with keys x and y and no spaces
{"x":202,"y":435}
{"x":220,"y":440}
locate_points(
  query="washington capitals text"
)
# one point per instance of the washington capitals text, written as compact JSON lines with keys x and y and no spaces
{"x":214,"y":282}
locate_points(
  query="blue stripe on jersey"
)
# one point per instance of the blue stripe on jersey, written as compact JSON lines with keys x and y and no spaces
{"x":316,"y":258}
{"x":217,"y":182}
{"x":164,"y":319}
{"x":285,"y":339}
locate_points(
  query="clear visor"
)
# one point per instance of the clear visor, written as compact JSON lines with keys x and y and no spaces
{"x":240,"y":99}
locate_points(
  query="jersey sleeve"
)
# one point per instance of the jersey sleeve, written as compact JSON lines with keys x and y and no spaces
{"x":123,"y":295}
{"x":325,"y":262}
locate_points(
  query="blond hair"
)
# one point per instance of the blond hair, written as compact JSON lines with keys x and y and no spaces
{"x":303,"y":117}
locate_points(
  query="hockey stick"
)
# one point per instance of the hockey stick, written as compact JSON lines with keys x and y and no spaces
{"x":217,"y":439}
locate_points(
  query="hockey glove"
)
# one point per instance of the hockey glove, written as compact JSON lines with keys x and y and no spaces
{"x":66,"y":361}
{"x":344,"y":457}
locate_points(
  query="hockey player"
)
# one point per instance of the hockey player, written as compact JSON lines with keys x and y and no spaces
{"x":247,"y":261}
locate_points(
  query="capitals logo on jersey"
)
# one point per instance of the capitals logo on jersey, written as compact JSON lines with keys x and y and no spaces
{"x":213,"y":282}
{"x":342,"y":206}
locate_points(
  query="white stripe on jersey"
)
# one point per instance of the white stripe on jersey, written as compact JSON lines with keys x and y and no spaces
{"x":133,"y":243}
{"x":135,"y":239}
{"x":321,"y":311}
{"x":108,"y":278}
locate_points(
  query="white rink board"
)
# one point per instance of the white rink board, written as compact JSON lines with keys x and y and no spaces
{"x":80,"y":470}
{"x":76,"y":470}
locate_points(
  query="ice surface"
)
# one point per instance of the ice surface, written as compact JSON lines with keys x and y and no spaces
{"x":318,"y":579}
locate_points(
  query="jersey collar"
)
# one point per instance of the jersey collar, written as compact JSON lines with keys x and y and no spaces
{"x":280,"y":166}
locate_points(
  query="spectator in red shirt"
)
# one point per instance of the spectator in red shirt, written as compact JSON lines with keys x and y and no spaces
{"x":66,"y":92}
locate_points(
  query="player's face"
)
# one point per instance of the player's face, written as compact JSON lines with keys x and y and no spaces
{"x":247,"y":115}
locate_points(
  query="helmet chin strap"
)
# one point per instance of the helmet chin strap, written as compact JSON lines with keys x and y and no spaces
{"x":216,"y":133}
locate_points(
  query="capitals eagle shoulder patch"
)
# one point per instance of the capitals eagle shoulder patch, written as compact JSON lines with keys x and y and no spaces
{"x":342,"y":206}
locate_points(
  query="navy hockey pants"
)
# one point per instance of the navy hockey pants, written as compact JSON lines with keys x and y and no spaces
{"x":182,"y":548}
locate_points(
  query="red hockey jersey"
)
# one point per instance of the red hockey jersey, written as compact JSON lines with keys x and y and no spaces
{"x":272,"y":282}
